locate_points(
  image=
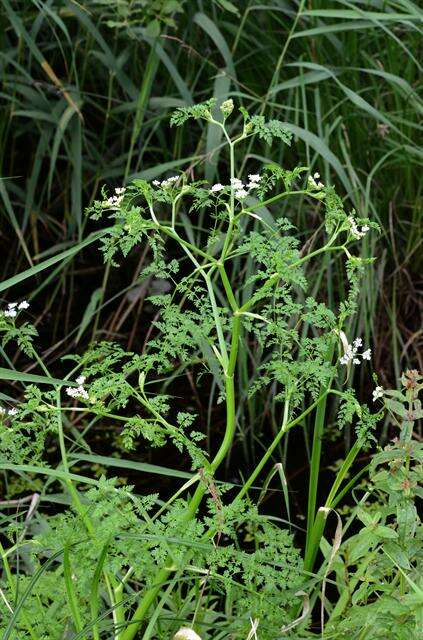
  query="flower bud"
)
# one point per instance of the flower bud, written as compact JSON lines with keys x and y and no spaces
{"x":227,"y":107}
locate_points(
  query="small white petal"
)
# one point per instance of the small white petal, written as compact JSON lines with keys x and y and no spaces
{"x":377,"y":393}
{"x":366,"y":355}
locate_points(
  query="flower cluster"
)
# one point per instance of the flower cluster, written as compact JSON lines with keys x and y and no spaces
{"x":355,"y":231}
{"x":312,"y":182}
{"x":116,"y":200}
{"x":227,"y":107}
{"x":80,"y":391}
{"x":241,"y":190}
{"x":8,"y":412}
{"x":377,"y":393}
{"x":166,"y":183}
{"x":14,"y":307}
{"x":351,"y":353}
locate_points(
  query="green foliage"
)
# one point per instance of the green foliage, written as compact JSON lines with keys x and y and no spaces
{"x":228,"y":559}
{"x":196,"y":112}
{"x":132,"y":14}
{"x":380,"y":567}
{"x":268,"y":131}
{"x":87,"y":95}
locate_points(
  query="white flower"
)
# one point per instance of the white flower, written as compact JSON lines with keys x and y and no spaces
{"x":78,"y":392}
{"x":316,"y":176}
{"x":185,"y":633}
{"x":237,"y":183}
{"x":169,"y":181}
{"x":351,"y":351}
{"x":252,"y":185}
{"x":355,"y":231}
{"x":9,"y":412}
{"x":241,"y":194}
{"x":12,"y":309}
{"x":217,"y":187}
{"x":377,"y":393}
{"x":156,"y":183}
{"x":120,"y":190}
{"x":254,"y":177}
{"x":23,"y":305}
{"x":113,"y":201}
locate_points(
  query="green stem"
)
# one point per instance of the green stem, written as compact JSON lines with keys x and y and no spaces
{"x":319,"y":424}
{"x":150,"y":595}
{"x":273,"y":199}
{"x":172,"y":234}
{"x":284,"y":428}
{"x":228,"y":288}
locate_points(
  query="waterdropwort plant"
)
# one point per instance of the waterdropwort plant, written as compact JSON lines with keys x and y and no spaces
{"x":124,"y":562}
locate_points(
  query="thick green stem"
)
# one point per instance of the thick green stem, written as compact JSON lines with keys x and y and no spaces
{"x":148,"y":598}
